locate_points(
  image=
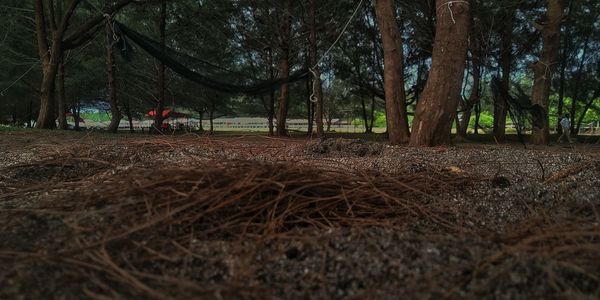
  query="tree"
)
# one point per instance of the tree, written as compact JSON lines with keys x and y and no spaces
{"x":395,"y":95}
{"x":544,"y":69}
{"x":285,"y":32}
{"x":158,"y":117}
{"x":53,"y":38}
{"x":316,"y":71}
{"x":111,"y":73}
{"x":506,"y":61}
{"x":438,"y":103}
{"x":246,"y":41}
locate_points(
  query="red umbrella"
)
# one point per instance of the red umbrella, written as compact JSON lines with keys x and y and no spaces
{"x":166,"y":113}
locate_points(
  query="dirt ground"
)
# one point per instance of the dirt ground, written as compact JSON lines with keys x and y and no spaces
{"x":90,"y":215}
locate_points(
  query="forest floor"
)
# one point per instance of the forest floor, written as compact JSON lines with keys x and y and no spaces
{"x":250,"y":217}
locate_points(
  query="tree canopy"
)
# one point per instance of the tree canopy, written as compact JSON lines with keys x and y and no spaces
{"x":524,"y":63}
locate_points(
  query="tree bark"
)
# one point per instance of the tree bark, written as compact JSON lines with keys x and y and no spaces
{"x":474,"y":97}
{"x":13,"y":115}
{"x":544,"y":69}
{"x":45,"y":118}
{"x":284,"y":66}
{"x":477,"y":118}
{"x":62,"y":117}
{"x":271,"y":116}
{"x":112,"y":83}
{"x":395,"y":94}
{"x":211,"y":116}
{"x":309,"y":109}
{"x":462,"y":124}
{"x":200,"y":117}
{"x":29,"y":113}
{"x":577,"y":86}
{"x":284,"y":96}
{"x":160,"y":107}
{"x":364,"y":115}
{"x":316,"y":71}
{"x":52,"y":41}
{"x":437,"y":106}
{"x":47,"y":115}
{"x":563,"y":67}
{"x":506,"y":59}
{"x":372,"y":113}
{"x":127,"y":107}
{"x":77,"y":115}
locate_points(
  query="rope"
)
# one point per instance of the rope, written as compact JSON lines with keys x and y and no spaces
{"x":450,"y":4}
{"x":111,"y":23}
{"x":313,"y":97}
{"x":547,"y":70}
{"x":18,"y":79}
{"x":22,"y":76}
{"x":340,"y":36}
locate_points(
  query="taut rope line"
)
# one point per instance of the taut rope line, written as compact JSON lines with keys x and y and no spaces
{"x":313,"y":98}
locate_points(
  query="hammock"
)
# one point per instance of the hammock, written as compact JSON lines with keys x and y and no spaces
{"x":238,"y":84}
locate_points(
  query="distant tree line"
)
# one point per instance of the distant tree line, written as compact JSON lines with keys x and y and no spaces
{"x":429,"y":66}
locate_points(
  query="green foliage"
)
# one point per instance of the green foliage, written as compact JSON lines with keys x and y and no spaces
{"x":486,"y":120}
{"x":380,"y":119}
{"x":97,"y":117}
{"x":11,"y":128}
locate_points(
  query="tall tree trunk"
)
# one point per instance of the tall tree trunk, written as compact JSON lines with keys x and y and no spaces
{"x":211,"y":117}
{"x":477,"y":118}
{"x":372,"y":112}
{"x":77,"y":115}
{"x":364,"y":115}
{"x":112,"y":88}
{"x":309,"y":109}
{"x":284,"y":95}
{"x":271,"y":108}
{"x":284,"y":69}
{"x":160,"y":107}
{"x":577,"y":86}
{"x":52,"y":41}
{"x":563,"y":67}
{"x":437,"y":106}
{"x":544,"y":69}
{"x":13,"y":115}
{"x":506,"y":59}
{"x":422,"y":73}
{"x":316,"y":71}
{"x":127,"y":107}
{"x":29,"y":113}
{"x":62,"y":108}
{"x":309,"y":104}
{"x":395,"y":95}
{"x":46,"y":117}
{"x":463,"y":123}
{"x":200,"y":117}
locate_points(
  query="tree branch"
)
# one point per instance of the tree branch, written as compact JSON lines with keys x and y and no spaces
{"x":51,"y":15}
{"x":67,"y":17}
{"x":40,"y":25}
{"x":89,"y":29}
